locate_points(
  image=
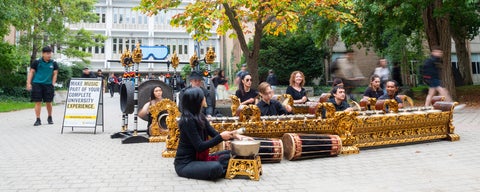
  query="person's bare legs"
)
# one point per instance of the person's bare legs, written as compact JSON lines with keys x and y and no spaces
{"x":431,"y":93}
{"x":38,"y":107}
{"x":444,"y":92}
{"x":49,"y":108}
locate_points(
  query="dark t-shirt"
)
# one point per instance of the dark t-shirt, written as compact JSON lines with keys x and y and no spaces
{"x":343,"y":105}
{"x":369,"y":92}
{"x":294,"y":93}
{"x":218,"y":80}
{"x":272,"y":80}
{"x":386,"y":96}
{"x":430,"y":70}
{"x":243,"y":97}
{"x":90,"y":75}
{"x":274,"y":108}
{"x":207,"y":110}
{"x":43,"y":71}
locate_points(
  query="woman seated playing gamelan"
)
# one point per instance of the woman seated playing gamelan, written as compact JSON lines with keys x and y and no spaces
{"x":269,"y":106}
{"x":373,"y":90}
{"x":245,"y":92}
{"x":295,"y":89}
{"x":155,"y":97}
{"x":192,"y":159}
{"x":392,"y":92}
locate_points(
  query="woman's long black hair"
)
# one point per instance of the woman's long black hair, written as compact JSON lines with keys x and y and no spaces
{"x":220,"y":71}
{"x":152,"y":93}
{"x":192,"y":107}
{"x":240,"y":84}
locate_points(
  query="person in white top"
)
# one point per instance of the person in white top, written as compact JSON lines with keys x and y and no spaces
{"x":383,"y":72}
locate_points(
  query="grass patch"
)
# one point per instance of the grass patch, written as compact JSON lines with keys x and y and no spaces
{"x":6,"y":106}
{"x":468,"y":89}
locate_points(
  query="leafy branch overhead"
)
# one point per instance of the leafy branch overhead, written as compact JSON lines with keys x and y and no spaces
{"x":273,"y":16}
{"x":258,"y":17}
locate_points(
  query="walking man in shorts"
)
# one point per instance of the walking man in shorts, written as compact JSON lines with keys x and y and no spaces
{"x":40,"y":80}
{"x":431,"y":75}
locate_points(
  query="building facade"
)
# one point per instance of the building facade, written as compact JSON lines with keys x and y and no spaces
{"x":124,"y":28}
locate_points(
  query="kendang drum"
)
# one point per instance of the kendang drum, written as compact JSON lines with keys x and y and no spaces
{"x":271,"y":149}
{"x":304,"y":146}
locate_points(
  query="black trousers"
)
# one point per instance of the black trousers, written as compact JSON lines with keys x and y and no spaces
{"x":111,"y":88}
{"x":205,"y":170}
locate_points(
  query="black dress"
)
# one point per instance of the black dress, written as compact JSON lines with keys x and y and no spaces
{"x":296,"y":95}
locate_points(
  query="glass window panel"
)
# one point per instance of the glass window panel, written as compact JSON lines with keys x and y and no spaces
{"x":114,"y":40}
{"x":120,"y":45}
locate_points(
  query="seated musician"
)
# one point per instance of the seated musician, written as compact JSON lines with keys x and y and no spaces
{"x":373,"y":90}
{"x":339,"y":99}
{"x":392,"y":90}
{"x":245,"y":92}
{"x":192,"y":159}
{"x":155,"y":97}
{"x":336,"y":82}
{"x":295,"y":89}
{"x":269,"y":106}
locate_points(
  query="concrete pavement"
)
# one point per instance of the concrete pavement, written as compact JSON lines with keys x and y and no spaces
{"x":42,"y":159}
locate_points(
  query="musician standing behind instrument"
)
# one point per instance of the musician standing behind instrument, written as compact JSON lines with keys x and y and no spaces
{"x":269,"y":106}
{"x":295,"y":89}
{"x":196,"y":80}
{"x":392,"y":91}
{"x":245,"y":92}
{"x":192,"y":159}
{"x":155,"y":97}
{"x":373,"y":90}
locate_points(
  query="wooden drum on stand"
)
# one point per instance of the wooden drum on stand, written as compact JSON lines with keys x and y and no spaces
{"x":304,"y":146}
{"x":271,"y":149}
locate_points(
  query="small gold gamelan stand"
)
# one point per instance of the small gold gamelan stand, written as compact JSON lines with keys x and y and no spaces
{"x":246,"y":166}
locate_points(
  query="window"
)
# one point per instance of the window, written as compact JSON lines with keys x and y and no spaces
{"x":118,"y":15}
{"x":185,"y":49}
{"x":99,"y":49}
{"x":100,"y":11}
{"x":476,"y":67}
{"x":114,"y":40}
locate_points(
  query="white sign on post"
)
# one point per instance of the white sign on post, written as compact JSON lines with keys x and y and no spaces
{"x":82,"y":105}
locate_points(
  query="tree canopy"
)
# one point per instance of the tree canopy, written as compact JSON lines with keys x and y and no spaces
{"x":287,"y":53}
{"x":274,"y":17}
{"x":45,"y":22}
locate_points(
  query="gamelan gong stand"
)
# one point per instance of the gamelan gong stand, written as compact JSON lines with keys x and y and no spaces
{"x":135,"y":138}
{"x":126,"y":61}
{"x":245,"y":166}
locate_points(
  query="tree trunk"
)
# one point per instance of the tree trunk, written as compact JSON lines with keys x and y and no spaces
{"x":437,"y":29}
{"x":464,"y":60}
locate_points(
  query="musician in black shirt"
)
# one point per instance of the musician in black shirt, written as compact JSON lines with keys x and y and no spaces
{"x":269,"y":106}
